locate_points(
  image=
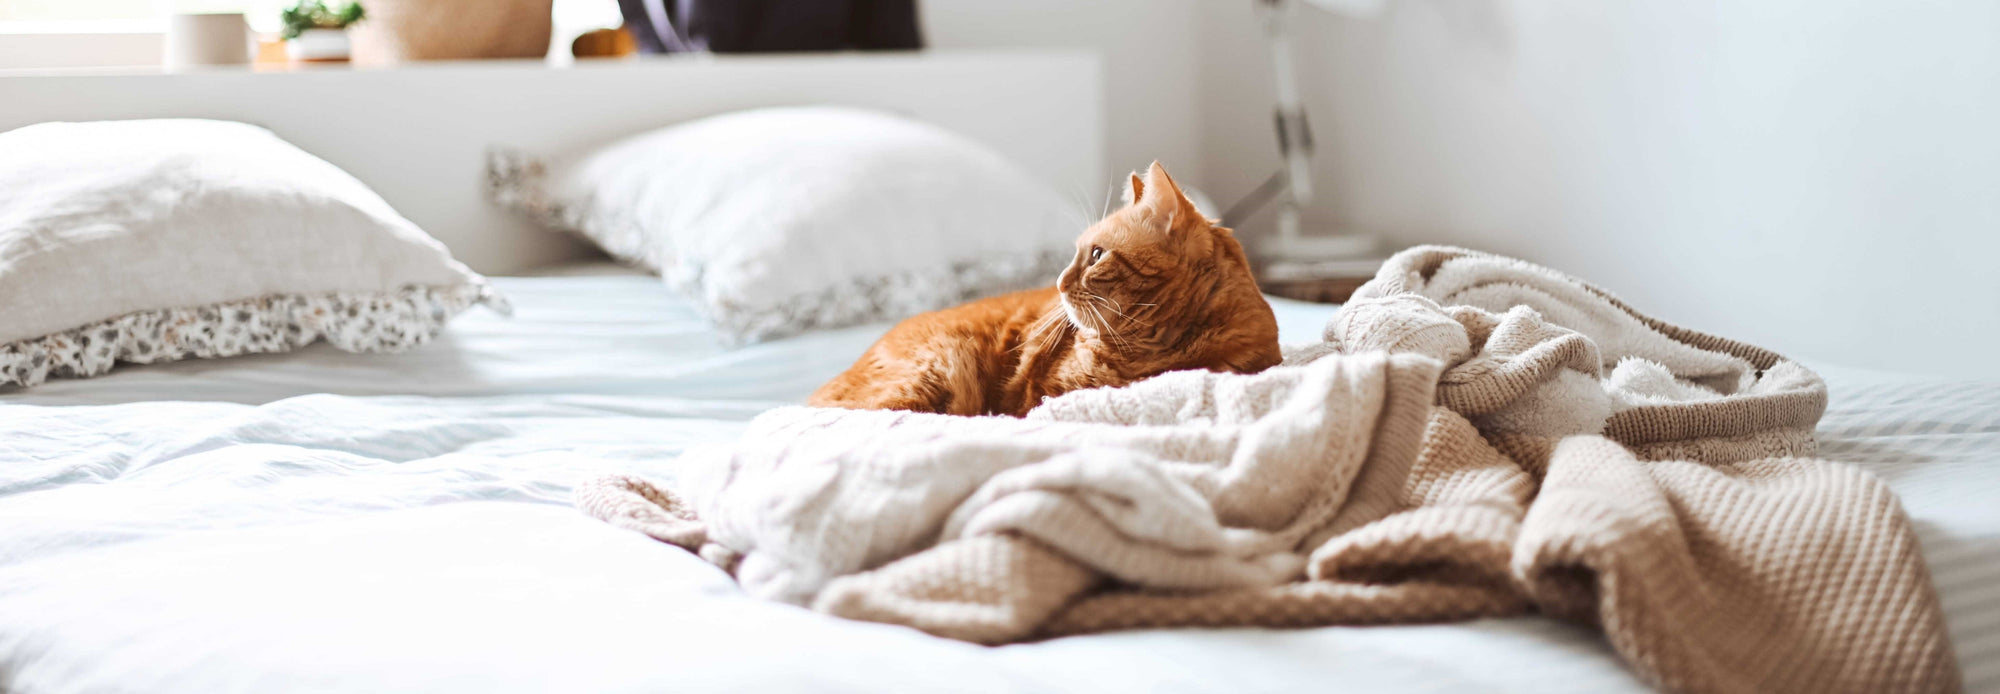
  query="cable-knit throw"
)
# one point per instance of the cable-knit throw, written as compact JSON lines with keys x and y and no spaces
{"x":1477,"y":436}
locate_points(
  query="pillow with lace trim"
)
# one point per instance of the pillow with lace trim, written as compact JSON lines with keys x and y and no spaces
{"x":781,"y":220}
{"x":155,"y":240}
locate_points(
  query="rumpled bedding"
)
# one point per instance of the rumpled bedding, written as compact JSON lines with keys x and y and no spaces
{"x":1476,"y":436}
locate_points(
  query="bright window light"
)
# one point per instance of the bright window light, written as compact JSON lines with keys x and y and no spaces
{"x":77,"y":10}
{"x":571,"y":17}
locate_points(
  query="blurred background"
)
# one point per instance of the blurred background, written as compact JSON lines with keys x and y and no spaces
{"x":1822,"y":177}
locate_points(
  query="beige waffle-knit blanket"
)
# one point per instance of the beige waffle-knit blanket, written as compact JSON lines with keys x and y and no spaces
{"x":1477,"y":436}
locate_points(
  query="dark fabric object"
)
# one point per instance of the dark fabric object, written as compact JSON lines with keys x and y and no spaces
{"x":760,"y":26}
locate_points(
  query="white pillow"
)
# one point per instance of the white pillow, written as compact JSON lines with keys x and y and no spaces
{"x":786,"y":219}
{"x":154,"y":240}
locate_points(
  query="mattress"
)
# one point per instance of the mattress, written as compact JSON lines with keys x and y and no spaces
{"x":321,"y":521}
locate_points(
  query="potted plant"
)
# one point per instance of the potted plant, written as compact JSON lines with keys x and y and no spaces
{"x":315,"y":33}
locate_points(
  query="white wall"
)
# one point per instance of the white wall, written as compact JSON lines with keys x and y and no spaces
{"x":1819,"y":177}
{"x":1150,"y":50}
{"x":1239,"y":149}
{"x":31,"y":50}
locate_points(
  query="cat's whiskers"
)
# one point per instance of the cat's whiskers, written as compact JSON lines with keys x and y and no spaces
{"x":1033,"y":332}
{"x":1058,"y":327}
{"x":1049,"y":330}
{"x":1096,"y":317}
{"x":1110,"y":192}
{"x":1113,"y":305}
{"x":1070,"y":312}
{"x":1082,"y":200}
{"x":1043,"y":332}
{"x":1060,"y":330}
{"x":1109,"y":329}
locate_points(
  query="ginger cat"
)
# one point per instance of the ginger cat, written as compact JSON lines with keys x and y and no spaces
{"x":1155,"y":287}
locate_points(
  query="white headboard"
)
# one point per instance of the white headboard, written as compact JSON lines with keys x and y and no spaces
{"x":418,"y":134}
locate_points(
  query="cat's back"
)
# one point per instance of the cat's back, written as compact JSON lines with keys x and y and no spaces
{"x":929,"y":355}
{"x":994,"y":311}
{"x":984,"y":325}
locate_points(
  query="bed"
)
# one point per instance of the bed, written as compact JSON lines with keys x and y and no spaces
{"x":334,"y":522}
{"x":327,"y":521}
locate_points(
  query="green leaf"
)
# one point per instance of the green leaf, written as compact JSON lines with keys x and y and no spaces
{"x":313,"y":14}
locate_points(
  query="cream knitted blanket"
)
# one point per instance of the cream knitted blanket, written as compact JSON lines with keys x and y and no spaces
{"x":1477,"y":436}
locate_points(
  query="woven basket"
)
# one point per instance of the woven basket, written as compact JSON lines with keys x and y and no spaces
{"x":402,"y":30}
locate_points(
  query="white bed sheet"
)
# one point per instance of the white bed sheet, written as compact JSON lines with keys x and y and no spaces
{"x":254,"y":536}
{"x":594,"y":329}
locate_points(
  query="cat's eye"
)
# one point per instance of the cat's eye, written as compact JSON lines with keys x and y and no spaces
{"x":1095,"y":253}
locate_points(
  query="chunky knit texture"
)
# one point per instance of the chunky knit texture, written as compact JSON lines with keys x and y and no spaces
{"x":1478,"y":436}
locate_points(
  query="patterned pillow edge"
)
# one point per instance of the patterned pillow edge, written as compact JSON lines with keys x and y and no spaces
{"x":353,"y":321}
{"x":518,"y":181}
{"x":881,"y":297}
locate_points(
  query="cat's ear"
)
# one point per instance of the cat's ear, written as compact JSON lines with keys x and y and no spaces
{"x":1162,"y":184}
{"x":1133,"y":189}
{"x":1167,"y":198}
